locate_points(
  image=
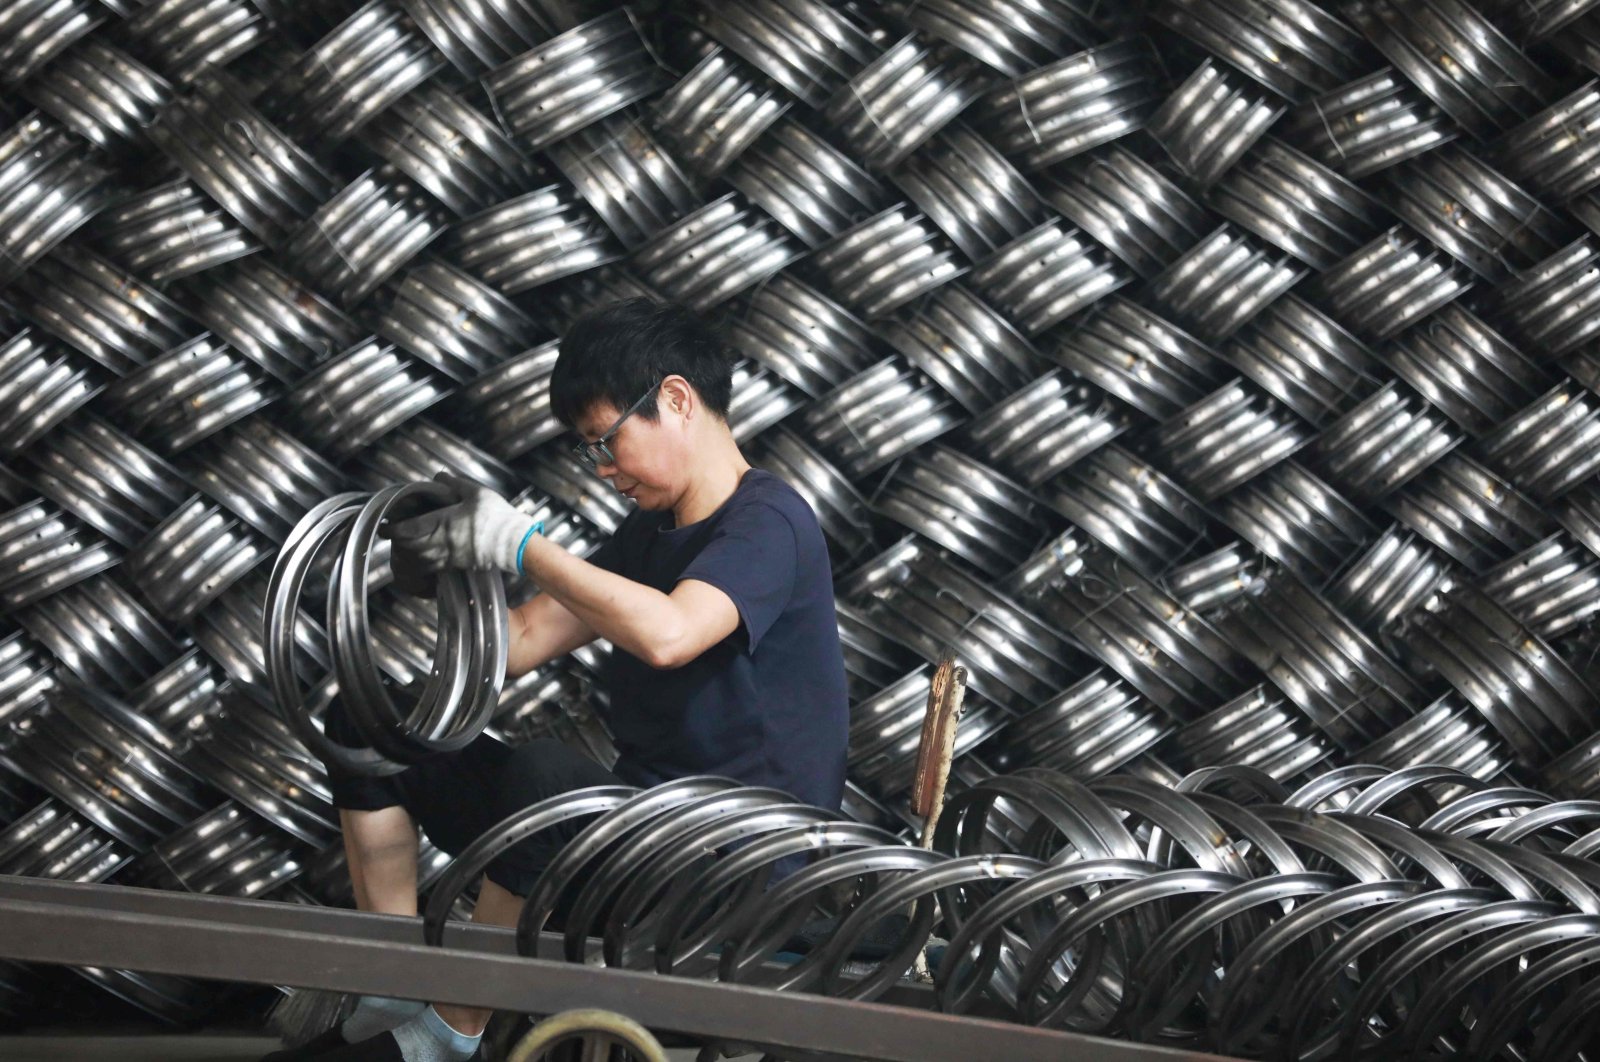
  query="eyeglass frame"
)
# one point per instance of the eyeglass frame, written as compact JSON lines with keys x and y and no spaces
{"x":597,"y":453}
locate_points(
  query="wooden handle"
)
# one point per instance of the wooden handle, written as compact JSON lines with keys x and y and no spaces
{"x":946,"y":693}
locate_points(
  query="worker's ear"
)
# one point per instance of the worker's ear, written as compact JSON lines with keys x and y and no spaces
{"x":677,"y":396}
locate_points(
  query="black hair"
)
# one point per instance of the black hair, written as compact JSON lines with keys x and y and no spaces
{"x":619,"y":352}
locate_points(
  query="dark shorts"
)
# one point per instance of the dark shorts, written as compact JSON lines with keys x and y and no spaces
{"x":455,"y":798}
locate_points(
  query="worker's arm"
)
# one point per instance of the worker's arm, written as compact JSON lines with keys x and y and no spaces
{"x":663,"y":630}
{"x":541,"y":630}
{"x":483,"y":530}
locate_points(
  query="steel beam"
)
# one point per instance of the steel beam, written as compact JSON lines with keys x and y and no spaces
{"x":209,"y":937}
{"x":332,"y":921}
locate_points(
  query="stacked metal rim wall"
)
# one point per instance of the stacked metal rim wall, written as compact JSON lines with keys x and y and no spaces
{"x":1218,"y":377}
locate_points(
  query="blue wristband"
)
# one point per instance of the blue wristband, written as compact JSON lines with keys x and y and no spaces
{"x":537,"y":528}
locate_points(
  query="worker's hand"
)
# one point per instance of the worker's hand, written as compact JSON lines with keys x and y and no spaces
{"x":411,"y":575}
{"x":480,"y":530}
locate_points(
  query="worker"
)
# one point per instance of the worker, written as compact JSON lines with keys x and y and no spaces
{"x":715,"y":593}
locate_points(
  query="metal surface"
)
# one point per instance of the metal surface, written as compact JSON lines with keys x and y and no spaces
{"x":1057,"y":111}
{"x":1290,"y":46}
{"x":900,"y":99}
{"x":573,"y":80}
{"x":809,"y":47}
{"x":1222,"y":282}
{"x":173,"y":230}
{"x":805,"y":183}
{"x":449,"y":147}
{"x":44,"y":551}
{"x":1485,"y":84}
{"x":1217,"y":379}
{"x":970,"y":191}
{"x":1296,"y":204}
{"x":1141,"y":358}
{"x":1011,"y":37}
{"x":879,"y":414}
{"x":360,"y":237}
{"x":1211,"y":120}
{"x":1139,"y":214}
{"x":41,"y":384}
{"x":268,"y":182}
{"x":455,"y":702}
{"x":353,"y":399}
{"x":529,"y":240}
{"x":53,"y":185}
{"x":713,"y":253}
{"x":1369,"y":124}
{"x":194,"y":555}
{"x":275,"y":954}
{"x":278,"y":322}
{"x":1229,"y":437}
{"x":972,"y":351}
{"x":1394,"y":844}
{"x":1297,"y":520}
{"x":631,"y":181}
{"x":886,"y":261}
{"x":346,"y":79}
{"x":717,"y":110}
{"x":1129,"y":506}
{"x":1046,"y":427}
{"x":800,"y":334}
{"x":192,"y":392}
{"x":1384,"y":442}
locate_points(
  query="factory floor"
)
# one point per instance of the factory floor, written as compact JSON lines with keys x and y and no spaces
{"x":144,"y":1048}
{"x":72,"y":1048}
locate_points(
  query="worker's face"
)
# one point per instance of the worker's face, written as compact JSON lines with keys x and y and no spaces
{"x":649,"y":456}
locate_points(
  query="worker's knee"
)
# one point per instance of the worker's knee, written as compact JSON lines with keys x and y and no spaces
{"x":544,"y":768}
{"x":373,"y":835}
{"x":533,"y":773}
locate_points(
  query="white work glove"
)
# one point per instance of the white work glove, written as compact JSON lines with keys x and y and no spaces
{"x":479,"y":531}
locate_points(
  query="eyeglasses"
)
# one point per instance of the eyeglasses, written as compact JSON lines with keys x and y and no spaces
{"x":597,"y":453}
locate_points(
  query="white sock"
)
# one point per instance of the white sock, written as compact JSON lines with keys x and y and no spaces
{"x":376,"y":1014}
{"x":429,"y":1038}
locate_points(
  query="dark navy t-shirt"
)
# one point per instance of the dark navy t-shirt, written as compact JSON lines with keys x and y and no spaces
{"x":766,"y":705}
